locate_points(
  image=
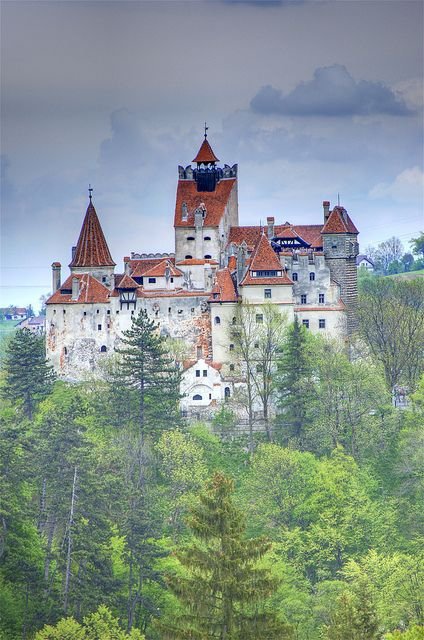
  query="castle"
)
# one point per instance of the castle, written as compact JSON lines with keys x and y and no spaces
{"x":308,"y":271}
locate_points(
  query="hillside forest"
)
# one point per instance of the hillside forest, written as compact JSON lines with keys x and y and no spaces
{"x":120,"y":518}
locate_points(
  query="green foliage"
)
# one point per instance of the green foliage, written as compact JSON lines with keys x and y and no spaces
{"x":223,"y":587}
{"x":354,"y":617}
{"x":100,"y":625}
{"x":28,"y":377}
{"x":294,"y":385}
{"x":148,"y":378}
{"x":418,"y":245}
{"x":391,"y":317}
{"x":416,"y":632}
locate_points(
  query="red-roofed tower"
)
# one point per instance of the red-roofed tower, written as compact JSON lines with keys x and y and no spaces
{"x":206,"y":207}
{"x":92,"y":255}
{"x":340,"y":244}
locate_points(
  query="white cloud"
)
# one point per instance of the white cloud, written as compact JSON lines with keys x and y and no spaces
{"x":406,"y":187}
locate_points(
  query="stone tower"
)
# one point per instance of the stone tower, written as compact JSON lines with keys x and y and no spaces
{"x":340,"y":245}
{"x":206,"y":207}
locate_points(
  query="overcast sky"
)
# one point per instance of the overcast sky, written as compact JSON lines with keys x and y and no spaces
{"x":311,"y":98}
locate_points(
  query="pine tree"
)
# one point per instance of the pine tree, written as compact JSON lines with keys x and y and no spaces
{"x":222,"y":590}
{"x":355,"y":616}
{"x":150,"y":374}
{"x":294,"y":384}
{"x":28,"y":376}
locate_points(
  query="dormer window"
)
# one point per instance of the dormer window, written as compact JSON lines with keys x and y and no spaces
{"x":208,"y":257}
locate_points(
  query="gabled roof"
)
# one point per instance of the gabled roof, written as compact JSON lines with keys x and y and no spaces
{"x":126,"y":283}
{"x":223,"y":290}
{"x":140,"y":266}
{"x":339,"y":222}
{"x":160,"y":269}
{"x":205,"y":153}
{"x":92,"y":249}
{"x":264,"y":258}
{"x":310,"y":233}
{"x":196,"y":261}
{"x":214,"y":201}
{"x":90,"y":290}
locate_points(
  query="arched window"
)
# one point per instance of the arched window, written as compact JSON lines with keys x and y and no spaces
{"x":206,"y":238}
{"x":312,"y":276}
{"x":231,"y":367}
{"x":188,"y":257}
{"x":217,"y":320}
{"x":197,"y":397}
{"x":208,"y":257}
{"x":103,"y":349}
{"x":234,"y":321}
{"x":294,"y":277}
{"x":227,"y":392}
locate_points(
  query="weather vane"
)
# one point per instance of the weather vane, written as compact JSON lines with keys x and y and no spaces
{"x":206,"y":129}
{"x":90,"y":191}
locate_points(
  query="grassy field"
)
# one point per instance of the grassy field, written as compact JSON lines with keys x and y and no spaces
{"x":410,"y":275}
{"x":7,"y":327}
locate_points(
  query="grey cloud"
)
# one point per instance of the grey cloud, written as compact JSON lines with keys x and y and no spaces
{"x":127,"y":148}
{"x":331,"y":92}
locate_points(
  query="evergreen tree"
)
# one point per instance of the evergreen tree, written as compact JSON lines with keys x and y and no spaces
{"x":223,"y":589}
{"x":295,"y":384}
{"x":354,"y":618}
{"x":150,"y":375}
{"x":28,"y":377}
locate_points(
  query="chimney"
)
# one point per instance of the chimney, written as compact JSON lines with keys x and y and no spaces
{"x":127,"y":266}
{"x":326,"y":207}
{"x":75,"y":288}
{"x":74,"y":249}
{"x":56,"y":266}
{"x":270,"y":223}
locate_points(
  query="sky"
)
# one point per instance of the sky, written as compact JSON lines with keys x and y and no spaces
{"x":312,"y":98}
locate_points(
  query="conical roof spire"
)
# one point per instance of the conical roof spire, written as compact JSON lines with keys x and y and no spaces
{"x":205,"y":155}
{"x":91,"y":249}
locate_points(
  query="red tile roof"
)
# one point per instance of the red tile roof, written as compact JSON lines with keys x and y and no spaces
{"x":339,"y":222}
{"x":232,"y":263}
{"x":214,"y":201}
{"x":249,"y":280}
{"x":311,"y":233}
{"x":160,"y":269}
{"x":92,"y":249}
{"x":126,"y":283}
{"x":205,"y":153}
{"x":194,"y":261}
{"x":90,"y":291}
{"x":223,"y":290}
{"x":264,"y":257}
{"x":139,"y":267}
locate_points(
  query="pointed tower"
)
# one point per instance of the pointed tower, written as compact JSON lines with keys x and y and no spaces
{"x":206,"y":207}
{"x":92,"y":255}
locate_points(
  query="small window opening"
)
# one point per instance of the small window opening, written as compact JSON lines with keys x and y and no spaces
{"x":294,"y":277}
{"x":312,"y":276}
{"x":305,"y":323}
{"x":227,"y":392}
{"x":217,"y":320}
{"x":197,"y":397}
{"x":231,"y":367}
{"x":197,"y":373}
{"x":205,"y":373}
{"x":303,"y":298}
{"x":188,"y":257}
{"x":208,"y":257}
{"x":321,"y":298}
{"x":103,"y":349}
{"x":259,"y":318}
{"x":267,"y":294}
{"x":321,"y":323}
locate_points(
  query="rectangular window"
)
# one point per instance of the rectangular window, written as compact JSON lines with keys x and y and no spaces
{"x":267,"y":293}
{"x":305,"y":323}
{"x":205,"y":373}
{"x":321,"y":323}
{"x":321,"y":298}
{"x":197,"y":373}
{"x":152,"y":280}
{"x":259,"y":318}
{"x":99,"y":327}
{"x":231,"y":347}
{"x":303,"y":298}
{"x":108,"y":312}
